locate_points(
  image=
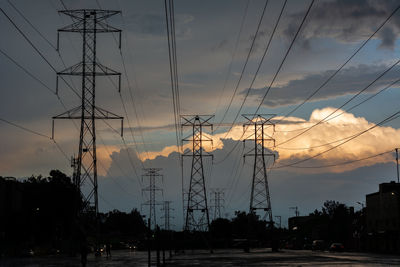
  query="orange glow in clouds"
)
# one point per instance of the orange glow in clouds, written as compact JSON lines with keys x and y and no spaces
{"x":377,"y":140}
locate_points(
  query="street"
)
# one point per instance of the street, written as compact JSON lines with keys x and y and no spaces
{"x":259,"y":257}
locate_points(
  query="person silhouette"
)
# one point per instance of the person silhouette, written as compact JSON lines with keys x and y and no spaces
{"x":108,"y":249}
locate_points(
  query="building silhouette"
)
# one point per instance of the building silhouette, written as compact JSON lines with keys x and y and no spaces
{"x":383,"y":218}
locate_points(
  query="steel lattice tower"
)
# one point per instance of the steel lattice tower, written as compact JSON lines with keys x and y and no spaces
{"x":88,"y":22}
{"x":74,"y":166}
{"x":217,"y":201}
{"x":167,"y":215}
{"x":197,"y":216}
{"x":262,"y":125}
{"x":152,"y":174}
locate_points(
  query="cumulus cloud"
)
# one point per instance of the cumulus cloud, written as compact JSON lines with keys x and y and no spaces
{"x":215,"y":143}
{"x":346,"y":183}
{"x":319,"y":139}
{"x":104,"y":156}
{"x":323,"y":137}
{"x":348,"y":81}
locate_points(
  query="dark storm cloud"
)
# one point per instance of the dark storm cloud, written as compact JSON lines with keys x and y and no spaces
{"x":347,"y":21}
{"x":349,"y":81}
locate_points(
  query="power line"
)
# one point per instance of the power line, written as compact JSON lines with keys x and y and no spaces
{"x":116,"y":162}
{"x":344,"y":163}
{"x":276,"y":74}
{"x":107,"y":202}
{"x":36,"y":49}
{"x":173,"y":68}
{"x":388,"y":119}
{"x":325,"y":119}
{"x":115,"y":181}
{"x":30,"y":74}
{"x":27,"y":71}
{"x":35,"y":133}
{"x":129,"y":154}
{"x":262,"y":60}
{"x":228,"y":73}
{"x":170,"y":26}
{"x":349,"y":109}
{"x":245,"y":63}
{"x":30,"y":24}
{"x":25,"y":129}
{"x":342,"y":66}
{"x":127,"y":117}
{"x":130,"y":95}
{"x":345,"y":103}
{"x":354,"y":106}
{"x":286,"y":54}
{"x":47,"y":87}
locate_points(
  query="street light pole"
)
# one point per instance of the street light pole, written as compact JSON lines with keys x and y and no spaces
{"x":397,"y":163}
{"x":280,"y":221}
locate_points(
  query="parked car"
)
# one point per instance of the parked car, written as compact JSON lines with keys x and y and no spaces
{"x":27,"y":252}
{"x":336,"y":247}
{"x":318,"y":245}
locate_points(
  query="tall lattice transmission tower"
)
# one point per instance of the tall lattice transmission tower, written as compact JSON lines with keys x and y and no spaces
{"x":197,"y":216}
{"x":167,"y":215}
{"x":217,"y":201}
{"x":152,"y":174}
{"x":261,"y":131}
{"x":88,"y":22}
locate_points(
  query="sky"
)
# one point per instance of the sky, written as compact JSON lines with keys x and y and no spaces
{"x":342,"y":158}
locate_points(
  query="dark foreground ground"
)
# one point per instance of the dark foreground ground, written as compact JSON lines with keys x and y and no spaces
{"x":219,"y":258}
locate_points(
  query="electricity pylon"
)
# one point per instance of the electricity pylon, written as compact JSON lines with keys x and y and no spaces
{"x":167,"y":215}
{"x":88,"y":22}
{"x":262,"y":137}
{"x":152,"y":174}
{"x":197,"y":216}
{"x":74,"y":166}
{"x":217,"y":201}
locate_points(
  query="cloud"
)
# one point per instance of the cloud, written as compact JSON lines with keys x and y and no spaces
{"x":344,"y":126}
{"x":348,"y":81}
{"x":286,"y":187}
{"x":166,"y":151}
{"x":104,"y":156}
{"x":317,"y":140}
{"x":348,"y":21}
{"x":154,"y":24}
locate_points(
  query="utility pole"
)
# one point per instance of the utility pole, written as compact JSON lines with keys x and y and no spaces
{"x":88,"y":22}
{"x":167,"y":215}
{"x":397,"y":163}
{"x":152,"y":174}
{"x":280,"y":221}
{"x":296,"y":211}
{"x":262,"y":137}
{"x":217,"y":201}
{"x":197,"y":216}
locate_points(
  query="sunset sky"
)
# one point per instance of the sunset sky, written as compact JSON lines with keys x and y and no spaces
{"x":343,"y":158}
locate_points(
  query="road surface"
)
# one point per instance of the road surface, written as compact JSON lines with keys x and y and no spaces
{"x":220,"y":258}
